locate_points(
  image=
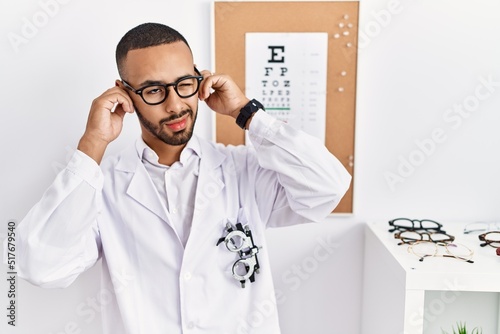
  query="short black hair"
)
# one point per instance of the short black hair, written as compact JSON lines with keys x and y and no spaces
{"x":143,"y":36}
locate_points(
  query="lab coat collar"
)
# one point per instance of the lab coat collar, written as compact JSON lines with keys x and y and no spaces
{"x":210,"y":157}
{"x":142,"y":189}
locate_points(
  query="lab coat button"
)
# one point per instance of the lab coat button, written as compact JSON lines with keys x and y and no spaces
{"x":190,"y":325}
{"x":187,"y":276}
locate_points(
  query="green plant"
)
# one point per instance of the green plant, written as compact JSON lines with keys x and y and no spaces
{"x":462,"y":329}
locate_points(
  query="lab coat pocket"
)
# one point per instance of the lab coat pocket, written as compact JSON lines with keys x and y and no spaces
{"x":238,"y":240}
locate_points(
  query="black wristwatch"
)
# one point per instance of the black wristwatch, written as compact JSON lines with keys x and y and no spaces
{"x":247,"y":111}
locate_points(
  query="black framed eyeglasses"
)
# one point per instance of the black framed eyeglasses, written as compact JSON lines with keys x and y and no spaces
{"x":157,"y":93}
{"x":407,"y":224}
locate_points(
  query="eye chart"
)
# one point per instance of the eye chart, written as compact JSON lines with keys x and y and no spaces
{"x":246,"y":62}
{"x":287,"y":73}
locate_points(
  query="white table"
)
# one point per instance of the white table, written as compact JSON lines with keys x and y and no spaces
{"x":395,"y":281}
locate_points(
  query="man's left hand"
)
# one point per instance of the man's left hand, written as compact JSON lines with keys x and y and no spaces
{"x":222,"y":94}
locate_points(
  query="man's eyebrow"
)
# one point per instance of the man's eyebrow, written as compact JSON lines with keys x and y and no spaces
{"x":151,"y":83}
{"x":161,"y":82}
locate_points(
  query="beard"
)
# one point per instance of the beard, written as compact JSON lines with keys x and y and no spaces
{"x":176,"y":138}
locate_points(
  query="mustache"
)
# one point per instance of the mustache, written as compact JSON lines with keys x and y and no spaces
{"x":174,"y":117}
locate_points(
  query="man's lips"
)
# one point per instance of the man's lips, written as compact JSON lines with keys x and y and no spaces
{"x":177,"y":124}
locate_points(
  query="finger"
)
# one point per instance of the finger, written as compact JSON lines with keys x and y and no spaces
{"x":125,"y":103}
{"x":119,"y":111}
{"x":205,"y":87}
{"x":129,"y":107}
{"x":115,"y":97}
{"x":206,"y":73}
{"x":202,"y":95}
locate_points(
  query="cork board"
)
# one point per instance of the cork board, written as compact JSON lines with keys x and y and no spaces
{"x":232,"y":19}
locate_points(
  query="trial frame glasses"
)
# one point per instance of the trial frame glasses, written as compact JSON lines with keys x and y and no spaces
{"x":239,"y":240}
{"x":423,"y":249}
{"x":407,"y":224}
{"x":157,"y":93}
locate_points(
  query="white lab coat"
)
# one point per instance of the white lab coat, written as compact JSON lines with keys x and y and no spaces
{"x":150,"y":282}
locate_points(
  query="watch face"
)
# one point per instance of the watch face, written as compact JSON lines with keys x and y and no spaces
{"x":257,"y":104}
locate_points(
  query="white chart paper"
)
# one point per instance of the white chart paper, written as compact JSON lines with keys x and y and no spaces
{"x":287,"y":73}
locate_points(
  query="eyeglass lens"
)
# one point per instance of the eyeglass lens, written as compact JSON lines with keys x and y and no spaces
{"x":236,"y":241}
{"x":244,"y":268}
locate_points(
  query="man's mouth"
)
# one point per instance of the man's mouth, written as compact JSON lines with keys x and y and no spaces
{"x":178,"y":124}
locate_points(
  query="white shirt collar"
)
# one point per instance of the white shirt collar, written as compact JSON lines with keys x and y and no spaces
{"x":146,"y":153}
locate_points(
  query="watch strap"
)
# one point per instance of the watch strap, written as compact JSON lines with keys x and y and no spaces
{"x":247,"y":111}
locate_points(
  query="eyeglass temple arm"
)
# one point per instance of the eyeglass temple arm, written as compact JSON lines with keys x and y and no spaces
{"x":458,"y":257}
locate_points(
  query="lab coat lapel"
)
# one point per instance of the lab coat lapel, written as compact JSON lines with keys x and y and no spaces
{"x":210,"y":185}
{"x":141,"y":187}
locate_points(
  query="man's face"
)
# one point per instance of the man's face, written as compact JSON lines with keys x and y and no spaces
{"x":172,"y":121}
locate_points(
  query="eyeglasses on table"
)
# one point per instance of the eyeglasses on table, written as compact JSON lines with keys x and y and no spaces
{"x":407,"y":224}
{"x":481,"y":227}
{"x":409,"y":237}
{"x":423,"y":249}
{"x":490,"y":239}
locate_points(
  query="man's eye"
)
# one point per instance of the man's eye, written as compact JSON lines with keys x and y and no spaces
{"x":153,"y":90}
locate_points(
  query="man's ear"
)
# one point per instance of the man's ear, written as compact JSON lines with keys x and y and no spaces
{"x":119,"y":83}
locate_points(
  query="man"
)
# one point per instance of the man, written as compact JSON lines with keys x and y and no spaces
{"x":181,"y":218}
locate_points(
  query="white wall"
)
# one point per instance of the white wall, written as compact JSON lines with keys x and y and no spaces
{"x":425,"y":115}
{"x":415,"y":64}
{"x":415,"y":69}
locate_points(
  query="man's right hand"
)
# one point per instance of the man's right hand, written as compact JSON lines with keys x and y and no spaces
{"x":105,"y":124}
